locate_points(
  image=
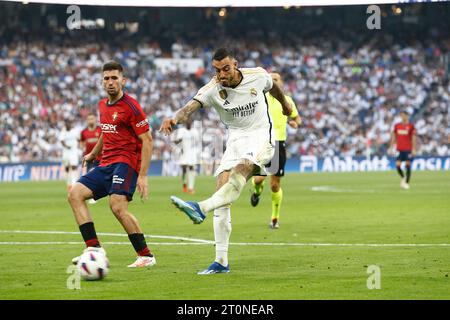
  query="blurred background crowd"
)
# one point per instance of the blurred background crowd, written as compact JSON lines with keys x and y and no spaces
{"x":349,"y":83}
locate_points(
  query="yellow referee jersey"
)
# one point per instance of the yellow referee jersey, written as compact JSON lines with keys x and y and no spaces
{"x":279,"y":119}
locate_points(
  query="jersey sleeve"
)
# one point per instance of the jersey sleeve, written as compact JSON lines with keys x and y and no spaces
{"x":204,"y":94}
{"x":139,"y":121}
{"x":82,"y":137}
{"x":267,"y":80}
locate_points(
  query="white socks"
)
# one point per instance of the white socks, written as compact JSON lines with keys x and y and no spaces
{"x":226,"y":195}
{"x":222,"y":232}
{"x":72,"y":177}
{"x":190,"y":179}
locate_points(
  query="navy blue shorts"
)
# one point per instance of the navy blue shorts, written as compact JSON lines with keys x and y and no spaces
{"x":117,"y":178}
{"x":404,"y":156}
{"x":91,"y":165}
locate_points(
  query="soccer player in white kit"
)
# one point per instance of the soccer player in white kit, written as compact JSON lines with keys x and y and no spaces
{"x":69,"y":139}
{"x":238,"y":95}
{"x":190,"y":141}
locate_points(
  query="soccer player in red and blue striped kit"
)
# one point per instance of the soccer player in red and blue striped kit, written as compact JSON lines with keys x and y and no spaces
{"x":126,"y":147}
{"x":404,"y":136}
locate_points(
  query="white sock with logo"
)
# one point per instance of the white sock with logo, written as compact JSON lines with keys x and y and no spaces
{"x":222,"y":232}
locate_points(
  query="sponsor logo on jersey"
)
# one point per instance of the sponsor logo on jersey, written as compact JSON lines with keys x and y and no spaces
{"x":403,"y":132}
{"x":223,"y":94}
{"x":108,"y":128}
{"x":244,"y":110}
{"x":142,"y":123}
{"x":253,"y":92}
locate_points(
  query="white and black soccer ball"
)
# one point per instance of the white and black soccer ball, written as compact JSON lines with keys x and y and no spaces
{"x":93,"y":265}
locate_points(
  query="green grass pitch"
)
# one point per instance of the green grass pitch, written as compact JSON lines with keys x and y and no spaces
{"x":332,"y":227}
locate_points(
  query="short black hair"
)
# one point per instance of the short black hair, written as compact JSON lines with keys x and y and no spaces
{"x":222,"y":53}
{"x":112,"y":65}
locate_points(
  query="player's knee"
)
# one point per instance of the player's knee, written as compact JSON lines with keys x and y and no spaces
{"x":275,"y":186}
{"x":118,"y":209}
{"x":258,"y":180}
{"x":237,"y":180}
{"x":74,"y":196}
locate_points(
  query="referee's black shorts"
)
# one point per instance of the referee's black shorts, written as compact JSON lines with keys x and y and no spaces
{"x":276,"y":166}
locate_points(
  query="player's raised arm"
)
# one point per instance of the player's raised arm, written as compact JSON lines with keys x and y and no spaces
{"x":181,"y":116}
{"x":146,"y":157}
{"x":278,"y":94}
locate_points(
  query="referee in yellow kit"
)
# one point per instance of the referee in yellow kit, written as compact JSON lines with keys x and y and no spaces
{"x":279,"y":122}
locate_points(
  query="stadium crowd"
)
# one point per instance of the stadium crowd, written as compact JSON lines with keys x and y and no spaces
{"x":348,"y":92}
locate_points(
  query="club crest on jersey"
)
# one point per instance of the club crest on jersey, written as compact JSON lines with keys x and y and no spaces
{"x":223,"y":94}
{"x":253,"y":92}
{"x":114,"y":116}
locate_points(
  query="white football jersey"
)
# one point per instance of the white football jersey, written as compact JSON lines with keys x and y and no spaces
{"x":242,"y":109}
{"x":70,"y":138}
{"x":190,"y":140}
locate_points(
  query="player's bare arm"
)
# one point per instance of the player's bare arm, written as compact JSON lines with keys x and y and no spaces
{"x":146,"y":157}
{"x":181,"y":116}
{"x":392,"y":142}
{"x":414,"y":145}
{"x":94,"y":153}
{"x":278,"y":94}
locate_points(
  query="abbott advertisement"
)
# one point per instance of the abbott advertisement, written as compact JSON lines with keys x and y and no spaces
{"x":45,"y":171}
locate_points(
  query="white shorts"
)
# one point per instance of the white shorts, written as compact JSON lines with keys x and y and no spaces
{"x":258,"y":149}
{"x":188,"y":160}
{"x":70,"y":158}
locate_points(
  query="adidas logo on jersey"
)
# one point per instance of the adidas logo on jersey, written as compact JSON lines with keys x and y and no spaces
{"x":226,"y":103}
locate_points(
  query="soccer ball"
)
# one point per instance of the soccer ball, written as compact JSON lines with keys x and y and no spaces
{"x":93,"y":265}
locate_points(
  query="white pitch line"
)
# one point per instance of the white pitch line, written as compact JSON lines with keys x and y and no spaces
{"x":202,"y":241}
{"x":105,"y":243}
{"x":242,"y":244}
{"x":109,"y":234}
{"x":341,"y":190}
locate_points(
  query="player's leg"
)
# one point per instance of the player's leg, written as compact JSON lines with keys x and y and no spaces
{"x":184,"y":177}
{"x":68,"y":178}
{"x":258,"y":186}
{"x":119,"y":206}
{"x":230,"y":191}
{"x":398,"y":165}
{"x":275,"y":183}
{"x":408,"y":173}
{"x":90,"y":185}
{"x":222,"y":232}
{"x":89,"y":167}
{"x":191,"y":179}
{"x":121,"y":192}
{"x":73,"y":174}
{"x":227,"y":194}
{"x":277,"y":198}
